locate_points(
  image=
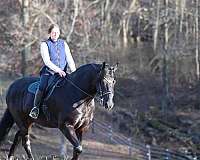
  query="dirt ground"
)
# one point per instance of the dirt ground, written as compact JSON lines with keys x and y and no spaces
{"x":46,"y":142}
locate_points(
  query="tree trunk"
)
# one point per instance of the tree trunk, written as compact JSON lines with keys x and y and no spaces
{"x":26,"y":50}
{"x":165,"y":73}
{"x":197,"y":41}
{"x":86,"y":26}
{"x":156,"y":26}
{"x":175,"y":81}
{"x":125,"y":40}
{"x":182,"y":15}
{"x":76,"y":11}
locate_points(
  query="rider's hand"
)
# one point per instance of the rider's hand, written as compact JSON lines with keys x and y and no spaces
{"x":61,"y":73}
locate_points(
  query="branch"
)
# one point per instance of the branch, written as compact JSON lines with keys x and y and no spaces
{"x":76,"y":2}
{"x":92,"y":3}
{"x":29,"y":44}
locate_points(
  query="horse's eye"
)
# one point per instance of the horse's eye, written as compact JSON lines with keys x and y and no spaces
{"x":114,"y":81}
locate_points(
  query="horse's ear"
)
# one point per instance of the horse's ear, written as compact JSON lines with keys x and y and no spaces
{"x":102,"y":71}
{"x":116,"y":66}
{"x":103,"y":65}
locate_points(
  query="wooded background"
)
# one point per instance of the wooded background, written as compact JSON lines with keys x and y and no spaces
{"x":157,"y":40}
{"x":158,"y":36}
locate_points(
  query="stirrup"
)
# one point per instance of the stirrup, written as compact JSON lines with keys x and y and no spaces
{"x":34,"y":113}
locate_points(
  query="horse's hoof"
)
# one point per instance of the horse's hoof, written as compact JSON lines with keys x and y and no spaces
{"x":78,"y":149}
{"x":11,"y":158}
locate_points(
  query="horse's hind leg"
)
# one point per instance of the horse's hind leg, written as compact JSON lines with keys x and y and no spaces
{"x":27,"y":146}
{"x":25,"y":142}
{"x":24,"y":126}
{"x":16,"y":141}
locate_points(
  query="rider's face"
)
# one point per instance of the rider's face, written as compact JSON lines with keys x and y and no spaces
{"x":55,"y":33}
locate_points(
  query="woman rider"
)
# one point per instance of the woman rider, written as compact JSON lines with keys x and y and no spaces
{"x":56,"y":56}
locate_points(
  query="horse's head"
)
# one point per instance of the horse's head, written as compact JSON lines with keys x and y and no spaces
{"x":105,"y":85}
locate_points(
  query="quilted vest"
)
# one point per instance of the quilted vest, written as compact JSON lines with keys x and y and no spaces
{"x":57,"y":52}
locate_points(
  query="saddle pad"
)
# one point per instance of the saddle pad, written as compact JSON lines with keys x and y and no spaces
{"x":33,"y":87}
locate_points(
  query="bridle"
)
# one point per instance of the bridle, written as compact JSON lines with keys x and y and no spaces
{"x":101,"y":93}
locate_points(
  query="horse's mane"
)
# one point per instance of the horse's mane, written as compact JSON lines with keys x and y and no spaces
{"x":86,"y":68}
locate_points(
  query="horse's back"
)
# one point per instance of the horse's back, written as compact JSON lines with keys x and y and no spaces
{"x":18,"y":89}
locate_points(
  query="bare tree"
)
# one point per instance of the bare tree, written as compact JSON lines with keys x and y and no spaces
{"x":24,"y":19}
{"x":76,"y":11}
{"x":156,"y":25}
{"x":182,"y":15}
{"x":197,"y":39}
{"x":165,"y":73}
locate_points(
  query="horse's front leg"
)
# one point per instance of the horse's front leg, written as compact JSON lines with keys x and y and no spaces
{"x":79,"y":136}
{"x":69,"y":133}
{"x":17,"y":139}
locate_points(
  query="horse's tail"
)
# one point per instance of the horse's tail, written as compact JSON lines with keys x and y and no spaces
{"x":5,"y":125}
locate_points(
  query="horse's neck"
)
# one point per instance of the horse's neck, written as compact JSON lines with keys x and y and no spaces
{"x":84,"y":82}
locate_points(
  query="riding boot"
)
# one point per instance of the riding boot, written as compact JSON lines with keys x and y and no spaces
{"x":37,"y":100}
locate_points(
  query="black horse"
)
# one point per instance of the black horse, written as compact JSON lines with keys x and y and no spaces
{"x":70,"y":105}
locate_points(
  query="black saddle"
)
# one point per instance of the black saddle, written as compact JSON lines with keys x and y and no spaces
{"x":54,"y":81}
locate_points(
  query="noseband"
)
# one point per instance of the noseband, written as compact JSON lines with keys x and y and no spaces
{"x":101,"y":93}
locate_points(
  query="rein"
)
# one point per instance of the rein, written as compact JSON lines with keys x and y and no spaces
{"x":100,"y":99}
{"x":78,"y":87}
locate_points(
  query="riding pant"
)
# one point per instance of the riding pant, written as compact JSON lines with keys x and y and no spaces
{"x":44,"y":78}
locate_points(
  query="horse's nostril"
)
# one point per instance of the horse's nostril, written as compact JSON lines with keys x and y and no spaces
{"x":111,"y":106}
{"x":106,"y":106}
{"x":101,"y":102}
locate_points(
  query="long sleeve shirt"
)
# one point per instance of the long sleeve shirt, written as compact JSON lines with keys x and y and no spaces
{"x":46,"y":58}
